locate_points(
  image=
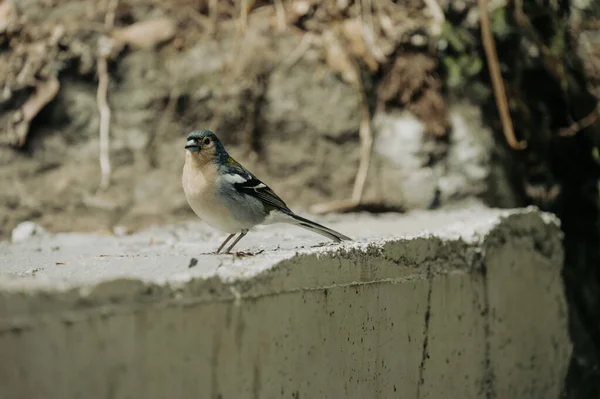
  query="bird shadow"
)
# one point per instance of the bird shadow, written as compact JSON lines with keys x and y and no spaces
{"x":239,"y":254}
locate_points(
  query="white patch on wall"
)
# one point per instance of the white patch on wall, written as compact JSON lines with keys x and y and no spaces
{"x":414,"y":171}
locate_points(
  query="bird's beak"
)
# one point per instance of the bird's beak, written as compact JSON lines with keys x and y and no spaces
{"x":192,"y":146}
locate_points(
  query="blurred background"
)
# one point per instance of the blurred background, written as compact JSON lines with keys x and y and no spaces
{"x":341,"y":105}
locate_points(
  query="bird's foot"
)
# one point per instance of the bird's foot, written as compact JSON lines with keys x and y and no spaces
{"x":244,"y":254}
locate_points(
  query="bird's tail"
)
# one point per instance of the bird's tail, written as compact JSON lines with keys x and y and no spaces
{"x":319,"y":229}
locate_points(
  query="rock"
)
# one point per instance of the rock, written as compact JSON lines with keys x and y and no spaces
{"x":414,"y":170}
{"x":26,"y":230}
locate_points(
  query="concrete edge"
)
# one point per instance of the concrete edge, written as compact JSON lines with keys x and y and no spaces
{"x":347,"y":265}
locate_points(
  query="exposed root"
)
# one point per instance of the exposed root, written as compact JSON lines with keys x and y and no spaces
{"x":497,"y":83}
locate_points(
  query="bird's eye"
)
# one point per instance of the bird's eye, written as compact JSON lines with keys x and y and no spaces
{"x":206,"y":141}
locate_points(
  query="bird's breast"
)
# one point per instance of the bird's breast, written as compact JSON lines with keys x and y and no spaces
{"x":202,"y":193}
{"x":199,"y":188}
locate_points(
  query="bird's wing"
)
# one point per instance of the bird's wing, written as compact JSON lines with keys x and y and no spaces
{"x":245,"y":182}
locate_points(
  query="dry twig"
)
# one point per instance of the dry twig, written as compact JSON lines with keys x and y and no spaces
{"x":213,"y":13}
{"x":586,"y":122}
{"x":366,"y":144}
{"x":44,"y":93}
{"x":438,"y":16}
{"x":496,"y":77}
{"x":243,"y":22}
{"x":297,"y":54}
{"x":200,"y":19}
{"x":104,"y":109}
{"x":7,"y":14}
{"x":145,"y":34}
{"x":556,"y":68}
{"x":109,"y":17}
{"x":104,"y":49}
{"x":280,"y":12}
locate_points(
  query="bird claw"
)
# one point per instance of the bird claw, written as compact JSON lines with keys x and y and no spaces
{"x":244,"y":254}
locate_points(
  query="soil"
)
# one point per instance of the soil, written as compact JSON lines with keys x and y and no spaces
{"x":278,"y":105}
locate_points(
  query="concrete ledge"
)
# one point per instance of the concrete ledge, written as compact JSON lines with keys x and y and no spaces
{"x":461,"y":304}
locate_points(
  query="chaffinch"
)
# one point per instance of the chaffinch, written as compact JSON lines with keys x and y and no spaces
{"x":230,"y":198}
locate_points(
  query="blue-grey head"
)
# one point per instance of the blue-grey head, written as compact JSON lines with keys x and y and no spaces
{"x":205,"y":146}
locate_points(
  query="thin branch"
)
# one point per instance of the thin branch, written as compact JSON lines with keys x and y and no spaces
{"x":243,"y":22}
{"x":438,"y":16}
{"x":551,"y":62}
{"x":584,"y":123}
{"x":109,"y":18}
{"x":366,"y":144}
{"x":104,"y":49}
{"x":213,"y":13}
{"x":103,"y":80}
{"x":44,"y":93}
{"x":368,"y":30}
{"x":297,"y":54}
{"x":497,"y":82}
{"x":200,"y":19}
{"x":280,"y":12}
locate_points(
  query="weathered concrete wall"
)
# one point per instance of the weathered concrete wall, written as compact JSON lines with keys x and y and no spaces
{"x":475,"y":309}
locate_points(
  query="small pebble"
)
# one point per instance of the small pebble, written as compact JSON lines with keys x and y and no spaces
{"x":120,"y":231}
{"x":25,"y":230}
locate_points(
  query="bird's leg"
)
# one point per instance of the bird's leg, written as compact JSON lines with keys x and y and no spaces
{"x":225,"y":242}
{"x":242,"y":234}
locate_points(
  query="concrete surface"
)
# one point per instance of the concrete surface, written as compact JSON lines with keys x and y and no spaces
{"x":455,"y":304}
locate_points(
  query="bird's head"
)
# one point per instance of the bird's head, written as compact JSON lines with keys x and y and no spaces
{"x":204,"y":146}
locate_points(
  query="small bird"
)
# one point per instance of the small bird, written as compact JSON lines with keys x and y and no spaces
{"x":230,"y":198}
